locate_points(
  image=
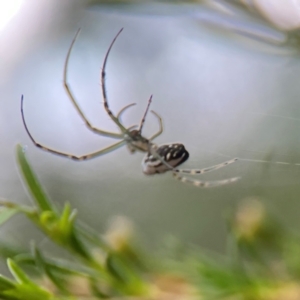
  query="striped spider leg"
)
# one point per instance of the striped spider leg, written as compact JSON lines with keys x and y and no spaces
{"x":128,"y":136}
{"x":175,"y":154}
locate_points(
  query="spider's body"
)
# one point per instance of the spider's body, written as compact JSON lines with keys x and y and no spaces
{"x":158,"y":159}
{"x":173,"y":154}
{"x":136,"y":142}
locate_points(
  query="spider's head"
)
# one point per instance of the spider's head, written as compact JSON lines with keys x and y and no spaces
{"x":173,"y":154}
{"x":136,"y":142}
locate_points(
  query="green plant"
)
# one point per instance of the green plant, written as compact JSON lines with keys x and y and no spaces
{"x":262,"y":263}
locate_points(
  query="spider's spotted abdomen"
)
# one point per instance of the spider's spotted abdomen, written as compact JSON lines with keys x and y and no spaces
{"x":173,"y":154}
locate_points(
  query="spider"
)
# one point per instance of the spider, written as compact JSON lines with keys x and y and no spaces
{"x":158,"y":159}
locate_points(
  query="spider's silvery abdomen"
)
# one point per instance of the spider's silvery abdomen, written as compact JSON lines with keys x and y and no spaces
{"x":173,"y":154}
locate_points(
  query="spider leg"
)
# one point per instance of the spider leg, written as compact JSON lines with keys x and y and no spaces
{"x":161,"y":126}
{"x":83,"y":157}
{"x":71,"y":96}
{"x":152,"y":150}
{"x":161,"y":159}
{"x":144,"y":116}
{"x":121,"y":112}
{"x":167,"y":157}
{"x":132,"y":126}
{"x":103,"y":74}
{"x":206,"y":170}
{"x":206,"y":184}
{"x":86,"y":156}
{"x":74,"y":157}
{"x":123,"y":109}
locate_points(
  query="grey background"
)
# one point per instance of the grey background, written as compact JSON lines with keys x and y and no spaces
{"x":221,"y":97}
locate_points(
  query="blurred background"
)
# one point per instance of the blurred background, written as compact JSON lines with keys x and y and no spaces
{"x":224,"y":76}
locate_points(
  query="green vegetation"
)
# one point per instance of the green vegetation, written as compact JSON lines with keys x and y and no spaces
{"x":262,"y":262}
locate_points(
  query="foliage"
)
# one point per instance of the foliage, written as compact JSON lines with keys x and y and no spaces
{"x":262,"y":263}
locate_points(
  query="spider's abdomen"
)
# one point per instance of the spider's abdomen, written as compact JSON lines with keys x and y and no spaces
{"x":173,"y":154}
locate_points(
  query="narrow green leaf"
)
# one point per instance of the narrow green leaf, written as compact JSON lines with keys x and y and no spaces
{"x":64,"y":222}
{"x":91,"y":235}
{"x":120,"y":268}
{"x":72,"y":217}
{"x":24,"y":258}
{"x":26,"y":289}
{"x":29,"y":211}
{"x":18,"y":274}
{"x":44,"y":268}
{"x":6,"y":213}
{"x":26,"y":292}
{"x":30,"y":292}
{"x":77,"y":245}
{"x":32,"y":182}
{"x":39,"y":261}
{"x":66,"y":267}
{"x":6,"y":284}
{"x":96,"y":291}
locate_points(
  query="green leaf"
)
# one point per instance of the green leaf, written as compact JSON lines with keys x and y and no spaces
{"x":32,"y":182}
{"x":18,"y":274}
{"x":6,"y":213}
{"x":67,"y":268}
{"x":6,"y":284}
{"x":76,"y":244}
{"x":26,"y":289}
{"x":44,"y":268}
{"x":64,"y":222}
{"x":91,"y":235}
{"x":26,"y":292}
